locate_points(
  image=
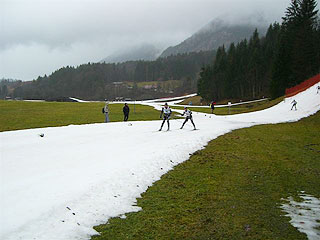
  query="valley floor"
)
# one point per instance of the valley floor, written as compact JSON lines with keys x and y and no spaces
{"x":75,"y":177}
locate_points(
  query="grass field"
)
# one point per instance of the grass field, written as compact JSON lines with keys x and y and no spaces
{"x":16,"y":115}
{"x":232,"y":189}
{"x":249,"y":107}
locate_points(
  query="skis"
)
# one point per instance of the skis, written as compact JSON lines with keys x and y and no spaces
{"x":169,"y":130}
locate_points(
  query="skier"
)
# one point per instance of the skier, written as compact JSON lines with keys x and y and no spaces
{"x":166,"y":113}
{"x":188,"y":114}
{"x":106,"y":112}
{"x":318,"y":89}
{"x":126,"y":112}
{"x":212,"y":106}
{"x":294,"y":104}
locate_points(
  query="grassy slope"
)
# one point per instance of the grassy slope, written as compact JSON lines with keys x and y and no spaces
{"x":196,"y":100}
{"x":232,"y":189}
{"x":16,"y":115}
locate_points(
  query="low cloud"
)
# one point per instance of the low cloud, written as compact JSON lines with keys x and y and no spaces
{"x":44,"y":35}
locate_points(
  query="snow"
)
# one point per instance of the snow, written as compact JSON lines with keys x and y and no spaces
{"x":75,"y":177}
{"x":77,"y":100}
{"x":178,"y":103}
{"x":305,"y":215}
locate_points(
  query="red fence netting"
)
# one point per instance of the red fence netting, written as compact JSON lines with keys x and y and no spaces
{"x":302,"y":86}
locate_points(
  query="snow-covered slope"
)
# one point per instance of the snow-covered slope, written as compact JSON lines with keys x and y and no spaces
{"x":59,"y":186}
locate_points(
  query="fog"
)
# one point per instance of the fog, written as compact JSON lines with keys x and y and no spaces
{"x":41,"y":36}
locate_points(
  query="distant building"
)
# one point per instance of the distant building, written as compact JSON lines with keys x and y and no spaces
{"x":151,"y":86}
{"x":117,"y":83}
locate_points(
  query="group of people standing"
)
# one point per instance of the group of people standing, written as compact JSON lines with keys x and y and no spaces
{"x":125,"y":110}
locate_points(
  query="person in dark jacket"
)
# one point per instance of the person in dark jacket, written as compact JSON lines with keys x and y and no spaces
{"x":166,"y":113}
{"x":294,"y":104}
{"x":212,"y":106}
{"x":188,"y":114}
{"x":126,"y":111}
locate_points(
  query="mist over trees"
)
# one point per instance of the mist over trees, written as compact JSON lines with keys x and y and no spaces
{"x":286,"y":56}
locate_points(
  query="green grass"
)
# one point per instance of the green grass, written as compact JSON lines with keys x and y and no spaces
{"x":249,"y":107}
{"x":232,"y":189}
{"x":15,"y":115}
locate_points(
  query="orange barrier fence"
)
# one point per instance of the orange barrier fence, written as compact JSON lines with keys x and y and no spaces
{"x":302,"y":86}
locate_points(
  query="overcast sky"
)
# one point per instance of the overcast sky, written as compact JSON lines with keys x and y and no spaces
{"x":38,"y":37}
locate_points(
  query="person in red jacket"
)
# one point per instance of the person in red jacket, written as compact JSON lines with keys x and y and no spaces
{"x":212,"y":106}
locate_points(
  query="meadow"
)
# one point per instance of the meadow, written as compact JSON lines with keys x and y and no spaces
{"x":15,"y":115}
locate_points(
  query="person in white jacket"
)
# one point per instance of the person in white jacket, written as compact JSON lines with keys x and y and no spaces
{"x":188,"y":114}
{"x":106,"y":112}
{"x":165,"y":113}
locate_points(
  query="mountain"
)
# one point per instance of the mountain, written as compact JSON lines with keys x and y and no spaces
{"x":145,"y":52}
{"x":212,"y":36}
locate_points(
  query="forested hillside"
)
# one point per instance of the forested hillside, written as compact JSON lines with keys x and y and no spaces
{"x":243,"y":71}
{"x":98,"y":81}
{"x":7,"y":87}
{"x":266,"y":66}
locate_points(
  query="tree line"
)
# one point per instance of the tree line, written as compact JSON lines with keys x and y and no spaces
{"x":266,"y":66}
{"x":98,"y":81}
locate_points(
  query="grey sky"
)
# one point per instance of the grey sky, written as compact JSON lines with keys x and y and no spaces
{"x":38,"y":37}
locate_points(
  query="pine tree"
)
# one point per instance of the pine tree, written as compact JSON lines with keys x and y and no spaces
{"x":298,"y":57}
{"x":305,"y":54}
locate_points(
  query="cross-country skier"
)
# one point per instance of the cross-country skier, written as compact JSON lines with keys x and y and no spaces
{"x":294,"y":104}
{"x":165,"y":113}
{"x":188,"y":114}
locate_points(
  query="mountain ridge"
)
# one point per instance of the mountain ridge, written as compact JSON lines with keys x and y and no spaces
{"x":212,"y":36}
{"x":145,"y":51}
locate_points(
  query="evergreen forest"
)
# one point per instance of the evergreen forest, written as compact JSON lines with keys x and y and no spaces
{"x":266,"y":66}
{"x":99,"y":81}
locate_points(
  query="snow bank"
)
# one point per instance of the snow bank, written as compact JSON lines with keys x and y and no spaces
{"x":75,"y":177}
